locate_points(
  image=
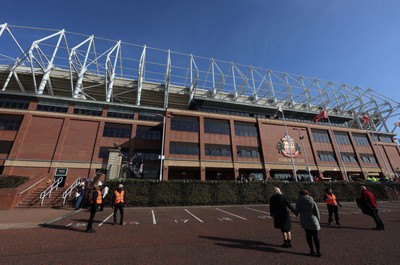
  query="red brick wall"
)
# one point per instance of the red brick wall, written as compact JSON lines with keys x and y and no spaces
{"x":7,"y":198}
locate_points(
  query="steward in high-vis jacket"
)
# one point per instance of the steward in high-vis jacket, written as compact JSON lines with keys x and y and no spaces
{"x":118,"y":203}
{"x":96,"y":198}
{"x":332,"y":204}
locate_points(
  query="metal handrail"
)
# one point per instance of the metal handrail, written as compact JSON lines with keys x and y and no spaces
{"x":30,"y":187}
{"x":49,"y":189}
{"x":67,"y":192}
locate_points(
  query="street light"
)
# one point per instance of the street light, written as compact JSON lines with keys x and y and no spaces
{"x":162,"y":147}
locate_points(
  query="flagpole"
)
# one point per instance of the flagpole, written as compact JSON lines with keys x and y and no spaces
{"x":290,"y":146}
{"x":337,"y":146}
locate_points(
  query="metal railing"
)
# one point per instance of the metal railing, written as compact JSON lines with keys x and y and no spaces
{"x":67,"y":192}
{"x":31,"y":186}
{"x":49,"y":189}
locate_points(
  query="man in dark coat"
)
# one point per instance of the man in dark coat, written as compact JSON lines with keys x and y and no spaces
{"x":96,"y":199}
{"x":278,"y":206}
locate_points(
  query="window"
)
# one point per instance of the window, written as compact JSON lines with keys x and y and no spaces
{"x":368,"y":158}
{"x":117,"y":130}
{"x":326,"y":156}
{"x":361,"y":139}
{"x":10,"y":103}
{"x":103,"y":153}
{"x":87,"y":110}
{"x":246,"y":129}
{"x":347,"y":157}
{"x":217,"y":150}
{"x":10,"y":122}
{"x":120,"y":114}
{"x":342,"y":138}
{"x":147,"y":155}
{"x":5,"y":147}
{"x":150,"y":116}
{"x":216,"y":126}
{"x":188,"y":124}
{"x":231,"y":112}
{"x":385,"y":138}
{"x":248,"y":151}
{"x":184,"y":148}
{"x":52,"y":106}
{"x":148,"y":133}
{"x":321,"y":136}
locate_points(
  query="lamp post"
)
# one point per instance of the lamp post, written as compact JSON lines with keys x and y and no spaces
{"x":162,"y":147}
{"x":301,"y":137}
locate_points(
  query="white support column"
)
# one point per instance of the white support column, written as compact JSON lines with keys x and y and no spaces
{"x":2,"y":28}
{"x":193,"y":79}
{"x":110,"y":70}
{"x":167,"y":80}
{"x":255,"y":94}
{"x":235,"y":92}
{"x":50,"y":65}
{"x":214,"y":90}
{"x":77,"y":89}
{"x":140,"y":76}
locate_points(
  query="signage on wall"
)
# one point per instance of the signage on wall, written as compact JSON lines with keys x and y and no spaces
{"x":287,"y":147}
{"x":61,"y":171}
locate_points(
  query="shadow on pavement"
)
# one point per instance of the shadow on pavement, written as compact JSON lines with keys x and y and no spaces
{"x":343,"y":227}
{"x":249,"y":244}
{"x":61,"y":227}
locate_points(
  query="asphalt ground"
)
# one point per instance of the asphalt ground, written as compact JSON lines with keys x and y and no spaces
{"x":198,"y":235}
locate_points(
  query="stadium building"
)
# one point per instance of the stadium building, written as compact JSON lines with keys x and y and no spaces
{"x":72,"y":105}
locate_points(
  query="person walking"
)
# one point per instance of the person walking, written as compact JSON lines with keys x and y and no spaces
{"x":370,"y":205}
{"x":309,"y":220}
{"x":96,"y":199}
{"x":79,"y":195}
{"x":118,"y":204}
{"x":333,"y":206}
{"x":278,"y":205}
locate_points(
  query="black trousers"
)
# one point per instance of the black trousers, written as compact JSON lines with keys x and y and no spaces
{"x":333,"y":210}
{"x":93,"y":210}
{"x":377,"y":219}
{"x":119,"y":207}
{"x":312,"y":240}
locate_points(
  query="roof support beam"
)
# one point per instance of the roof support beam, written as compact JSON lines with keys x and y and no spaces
{"x":141,"y":69}
{"x":110,"y":67}
{"x":167,"y":80}
{"x":46,"y":74}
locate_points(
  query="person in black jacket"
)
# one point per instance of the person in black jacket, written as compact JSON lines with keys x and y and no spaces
{"x":96,"y":199}
{"x":278,"y":208}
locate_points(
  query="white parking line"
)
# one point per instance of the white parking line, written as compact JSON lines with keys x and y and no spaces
{"x":231,"y":214}
{"x":154,"y":217}
{"x":256,"y":210}
{"x":198,"y":219}
{"x":105,"y":220}
{"x":69,"y":224}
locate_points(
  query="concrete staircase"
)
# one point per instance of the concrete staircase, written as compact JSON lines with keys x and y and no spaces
{"x":55,"y":200}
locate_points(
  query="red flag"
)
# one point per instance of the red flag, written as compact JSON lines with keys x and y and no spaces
{"x":322,"y":115}
{"x":366,"y":118}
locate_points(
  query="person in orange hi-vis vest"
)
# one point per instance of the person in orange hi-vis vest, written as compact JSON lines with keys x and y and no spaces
{"x":96,"y":199}
{"x":118,"y":204}
{"x":333,"y":206}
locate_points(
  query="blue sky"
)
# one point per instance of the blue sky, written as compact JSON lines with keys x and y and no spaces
{"x":352,"y":41}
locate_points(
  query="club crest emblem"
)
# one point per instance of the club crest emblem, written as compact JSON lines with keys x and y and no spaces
{"x":287,"y":146}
